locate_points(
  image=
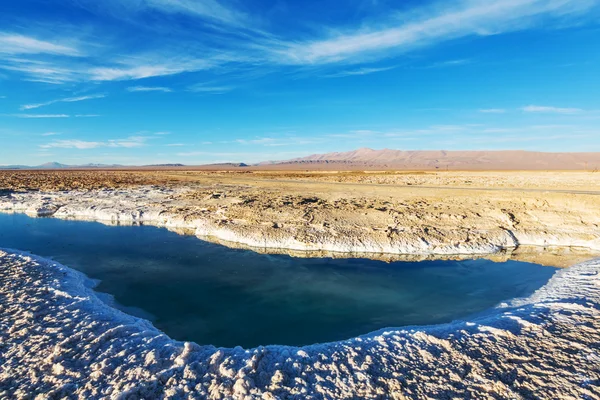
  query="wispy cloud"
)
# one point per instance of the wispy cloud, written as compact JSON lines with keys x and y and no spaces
{"x":207,"y":88}
{"x":149,"y":89}
{"x":551,"y":110}
{"x":59,"y":71}
{"x":35,"y":70}
{"x":493,"y":111}
{"x":148,"y":66}
{"x":449,"y":63}
{"x":232,"y":39}
{"x":50,"y":134}
{"x":359,"y":71}
{"x":432,"y":25}
{"x":213,"y":11}
{"x":175,"y":145}
{"x":209,"y":9}
{"x":130,"y":142}
{"x":137,"y":72}
{"x":64,"y":100}
{"x":276,"y":142}
{"x":209,"y":156}
{"x":71,"y":144}
{"x":40,"y":115}
{"x":11,"y":43}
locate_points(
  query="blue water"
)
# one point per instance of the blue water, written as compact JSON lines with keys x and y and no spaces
{"x":198,"y":291}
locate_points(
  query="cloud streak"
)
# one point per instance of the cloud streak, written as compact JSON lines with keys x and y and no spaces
{"x":64,"y":100}
{"x":16,"y":44}
{"x":209,"y":89}
{"x":149,"y":89}
{"x":359,"y":71}
{"x":40,"y":115}
{"x":208,"y":9}
{"x":551,"y":110}
{"x":431,"y":26}
{"x":130,"y":142}
{"x":492,"y":111}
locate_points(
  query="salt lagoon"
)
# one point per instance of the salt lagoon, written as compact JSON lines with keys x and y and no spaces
{"x":202,"y":292}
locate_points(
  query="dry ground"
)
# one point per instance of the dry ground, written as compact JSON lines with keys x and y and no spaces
{"x":424,"y":212}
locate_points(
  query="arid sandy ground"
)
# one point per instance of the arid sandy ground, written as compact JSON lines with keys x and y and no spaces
{"x":418,"y":213}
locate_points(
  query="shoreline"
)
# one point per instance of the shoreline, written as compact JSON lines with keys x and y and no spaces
{"x":169,"y":208}
{"x":85,"y":345}
{"x":554,"y":256}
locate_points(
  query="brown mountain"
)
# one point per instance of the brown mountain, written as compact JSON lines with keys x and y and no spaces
{"x":441,"y":160}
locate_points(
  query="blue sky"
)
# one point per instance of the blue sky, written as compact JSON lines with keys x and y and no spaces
{"x":200,"y":81}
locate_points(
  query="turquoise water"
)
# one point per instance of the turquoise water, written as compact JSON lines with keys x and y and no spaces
{"x":198,"y":291}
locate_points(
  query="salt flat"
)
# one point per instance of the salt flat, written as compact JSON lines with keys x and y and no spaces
{"x":59,"y":340}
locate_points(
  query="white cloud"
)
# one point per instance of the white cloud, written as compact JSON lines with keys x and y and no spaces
{"x":65,"y":100}
{"x":492,"y":111}
{"x":50,"y":134}
{"x":149,"y":89}
{"x":124,"y":73}
{"x":205,"y":88}
{"x":149,"y":66}
{"x":130,"y":142}
{"x":237,"y":156}
{"x":449,"y":63}
{"x":40,"y":71}
{"x":275,"y":142}
{"x":256,"y":141}
{"x":133,"y":141}
{"x":233,"y":40}
{"x":41,"y":115}
{"x":11,"y":43}
{"x":72,"y":144}
{"x":360,"y":71}
{"x":162,"y":133}
{"x":432,"y":25}
{"x":551,"y":110}
{"x":210,"y":9}
{"x":175,"y":145}
{"x":215,"y":11}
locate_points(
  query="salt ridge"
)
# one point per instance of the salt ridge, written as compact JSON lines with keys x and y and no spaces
{"x":154,"y":206}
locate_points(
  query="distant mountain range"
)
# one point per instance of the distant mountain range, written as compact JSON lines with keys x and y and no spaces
{"x":56,"y":165}
{"x":440,"y":159}
{"x":366,"y":158}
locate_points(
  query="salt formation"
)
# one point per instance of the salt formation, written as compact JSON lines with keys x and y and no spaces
{"x":58,"y":340}
{"x":313,"y":224}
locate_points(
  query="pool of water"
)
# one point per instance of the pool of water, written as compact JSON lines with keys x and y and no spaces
{"x":207,"y":293}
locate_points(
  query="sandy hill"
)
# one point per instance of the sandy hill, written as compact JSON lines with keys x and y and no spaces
{"x":440,"y":159}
